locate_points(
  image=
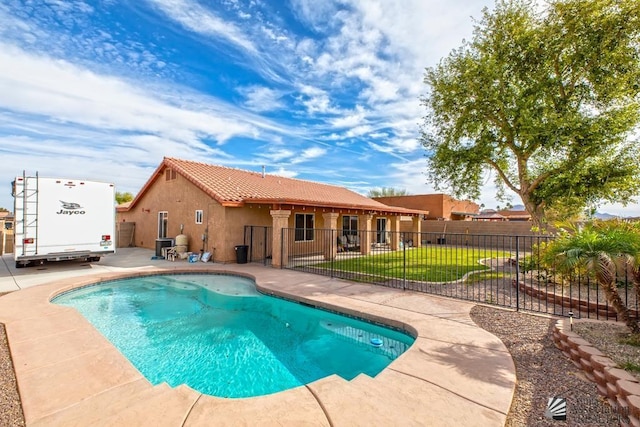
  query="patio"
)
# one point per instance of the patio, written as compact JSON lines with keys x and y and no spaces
{"x":68,"y":374}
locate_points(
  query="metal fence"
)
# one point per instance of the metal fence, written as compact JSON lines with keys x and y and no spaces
{"x":494,"y":269}
{"x":259,"y":241}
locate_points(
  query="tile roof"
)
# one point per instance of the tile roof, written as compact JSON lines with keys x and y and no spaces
{"x":489,"y":215}
{"x":234,"y":187}
{"x":515,"y":214}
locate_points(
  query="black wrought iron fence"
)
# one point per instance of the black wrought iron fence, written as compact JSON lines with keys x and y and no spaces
{"x":495,"y":269}
{"x":259,"y":241}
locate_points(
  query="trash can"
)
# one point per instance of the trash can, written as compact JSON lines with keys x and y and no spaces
{"x":163,"y":243}
{"x":241,"y":254}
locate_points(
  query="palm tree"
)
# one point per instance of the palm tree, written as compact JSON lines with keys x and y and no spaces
{"x":603,"y":248}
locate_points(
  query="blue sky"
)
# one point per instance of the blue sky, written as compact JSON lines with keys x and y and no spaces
{"x":324,"y":90}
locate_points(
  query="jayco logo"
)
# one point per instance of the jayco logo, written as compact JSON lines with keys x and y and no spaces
{"x":70,"y":209}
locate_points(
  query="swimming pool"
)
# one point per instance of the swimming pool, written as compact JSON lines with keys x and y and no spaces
{"x":220,"y":336}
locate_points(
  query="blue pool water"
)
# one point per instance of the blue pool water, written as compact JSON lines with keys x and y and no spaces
{"x":220,"y":336}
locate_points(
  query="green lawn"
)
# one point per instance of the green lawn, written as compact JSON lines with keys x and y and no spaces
{"x":428,"y":264}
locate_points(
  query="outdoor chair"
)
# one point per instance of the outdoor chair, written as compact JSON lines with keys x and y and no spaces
{"x":353,"y":242}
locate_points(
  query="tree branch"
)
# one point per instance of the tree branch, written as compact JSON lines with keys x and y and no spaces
{"x":504,"y":177}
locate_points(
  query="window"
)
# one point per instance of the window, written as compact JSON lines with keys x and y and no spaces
{"x":304,"y":227}
{"x":199,"y":215}
{"x":381,"y":232}
{"x":170,"y":174}
{"x":163,"y":220}
{"x":349,"y":225}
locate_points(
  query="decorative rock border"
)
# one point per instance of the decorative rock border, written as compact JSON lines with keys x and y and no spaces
{"x":620,"y":388}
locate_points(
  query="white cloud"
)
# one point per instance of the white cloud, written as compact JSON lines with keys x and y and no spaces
{"x":260,"y":98}
{"x":66,"y":93}
{"x":356,"y":118}
{"x":403,"y":145}
{"x":275,"y":155}
{"x":315,"y":13}
{"x":196,"y":18}
{"x":284,"y":172}
{"x":309,"y":154}
{"x":357,"y":131}
{"x":315,"y":100}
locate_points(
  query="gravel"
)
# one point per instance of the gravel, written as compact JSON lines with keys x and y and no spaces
{"x":542,"y":370}
{"x":10,"y":407}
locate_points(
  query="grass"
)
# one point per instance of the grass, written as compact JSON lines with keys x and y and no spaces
{"x":632,"y":340}
{"x":472,"y":279}
{"x":630,"y":366}
{"x":428,"y":264}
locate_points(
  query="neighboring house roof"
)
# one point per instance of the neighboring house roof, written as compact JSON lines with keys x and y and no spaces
{"x":489,"y":215}
{"x":513,"y":214}
{"x":235,"y":187}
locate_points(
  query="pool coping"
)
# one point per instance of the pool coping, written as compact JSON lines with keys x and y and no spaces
{"x":455,"y":373}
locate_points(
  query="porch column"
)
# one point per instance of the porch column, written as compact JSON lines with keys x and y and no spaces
{"x":365,"y":235}
{"x":280,"y":249}
{"x":417,"y":231}
{"x":331,"y":243}
{"x":395,"y":232}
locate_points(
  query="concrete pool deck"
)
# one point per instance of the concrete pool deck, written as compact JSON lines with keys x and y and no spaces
{"x":455,"y":374}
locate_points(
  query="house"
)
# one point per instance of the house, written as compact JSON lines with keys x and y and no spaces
{"x":6,"y":220}
{"x":515,"y":215}
{"x":503,"y":215}
{"x":439,"y":206}
{"x":212,"y":205}
{"x":489,"y":216}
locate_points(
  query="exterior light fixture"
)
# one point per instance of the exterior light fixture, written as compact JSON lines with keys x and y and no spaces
{"x":571,"y":320}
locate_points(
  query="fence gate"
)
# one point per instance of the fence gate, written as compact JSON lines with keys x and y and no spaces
{"x":259,"y":240}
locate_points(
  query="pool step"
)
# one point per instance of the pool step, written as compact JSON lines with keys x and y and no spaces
{"x":362,"y":379}
{"x":362,"y":401}
{"x":91,"y":410}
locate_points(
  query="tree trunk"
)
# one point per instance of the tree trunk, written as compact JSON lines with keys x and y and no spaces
{"x":611,"y":292}
{"x":536,"y":212}
{"x":605,"y":275}
{"x":636,"y":283}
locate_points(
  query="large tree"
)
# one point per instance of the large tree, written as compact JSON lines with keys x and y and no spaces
{"x":545,"y":99}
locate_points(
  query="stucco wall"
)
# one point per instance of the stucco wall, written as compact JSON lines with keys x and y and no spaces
{"x":6,"y":242}
{"x":478,"y":234}
{"x":438,"y":205}
{"x":223,"y":227}
{"x":227,"y":230}
{"x":180,"y":199}
{"x":515,"y":228}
